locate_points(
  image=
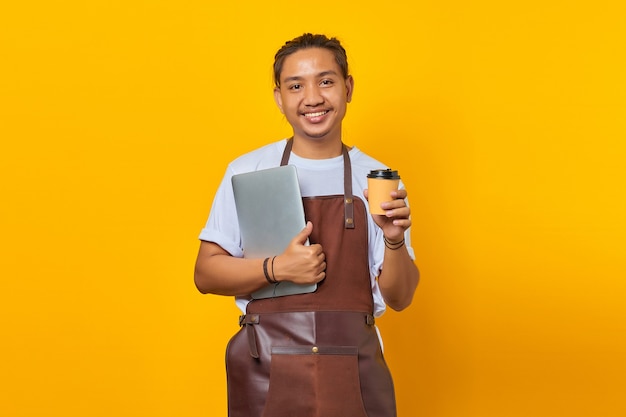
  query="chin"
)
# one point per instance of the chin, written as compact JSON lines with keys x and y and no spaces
{"x":318,"y":134}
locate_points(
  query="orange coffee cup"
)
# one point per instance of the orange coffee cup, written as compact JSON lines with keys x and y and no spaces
{"x":380,"y":184}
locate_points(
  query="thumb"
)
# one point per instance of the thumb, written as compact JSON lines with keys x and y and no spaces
{"x":304,"y":234}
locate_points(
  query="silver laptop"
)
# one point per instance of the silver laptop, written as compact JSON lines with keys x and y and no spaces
{"x":270,"y":213}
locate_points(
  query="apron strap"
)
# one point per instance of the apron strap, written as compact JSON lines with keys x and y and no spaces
{"x":249,"y":320}
{"x":348,"y":198}
{"x":286,"y":152}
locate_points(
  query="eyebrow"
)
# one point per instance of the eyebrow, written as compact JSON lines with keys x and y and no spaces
{"x":321,"y":74}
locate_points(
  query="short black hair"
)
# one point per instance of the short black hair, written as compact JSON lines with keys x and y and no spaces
{"x":309,"y":40}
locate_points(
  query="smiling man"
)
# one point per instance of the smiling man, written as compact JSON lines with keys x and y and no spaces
{"x":319,"y":353}
{"x":312,"y":91}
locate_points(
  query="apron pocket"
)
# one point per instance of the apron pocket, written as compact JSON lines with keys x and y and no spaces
{"x":312,"y":381}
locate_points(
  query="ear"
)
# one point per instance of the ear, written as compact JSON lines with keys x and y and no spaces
{"x":278,"y":99}
{"x":349,"y":88}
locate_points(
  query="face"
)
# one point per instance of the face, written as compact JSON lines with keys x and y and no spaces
{"x":313,"y":95}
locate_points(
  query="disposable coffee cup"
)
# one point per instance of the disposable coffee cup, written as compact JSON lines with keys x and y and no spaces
{"x":380,"y":184}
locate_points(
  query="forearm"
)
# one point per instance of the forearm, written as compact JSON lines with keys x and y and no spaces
{"x":217,"y":272}
{"x":398,"y":279}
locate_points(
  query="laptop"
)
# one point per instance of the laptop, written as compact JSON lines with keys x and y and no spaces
{"x":270,"y":213}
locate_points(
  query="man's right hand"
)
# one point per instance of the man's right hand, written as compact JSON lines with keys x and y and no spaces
{"x":301,"y":263}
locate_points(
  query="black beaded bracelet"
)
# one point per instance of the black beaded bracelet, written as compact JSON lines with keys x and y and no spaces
{"x":393,"y":245}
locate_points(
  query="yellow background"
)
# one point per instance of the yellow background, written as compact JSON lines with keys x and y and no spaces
{"x":506,"y":120}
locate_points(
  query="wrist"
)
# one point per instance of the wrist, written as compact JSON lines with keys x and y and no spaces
{"x":268,"y":270}
{"x":393,"y":245}
{"x":272,"y":270}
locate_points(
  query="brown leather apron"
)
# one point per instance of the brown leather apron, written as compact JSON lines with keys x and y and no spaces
{"x":316,"y":354}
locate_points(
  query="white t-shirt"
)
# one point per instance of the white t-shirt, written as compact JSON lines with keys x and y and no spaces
{"x":317,"y":178}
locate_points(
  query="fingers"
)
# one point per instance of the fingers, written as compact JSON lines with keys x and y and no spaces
{"x":396,"y":210}
{"x":315,"y":261}
{"x":397,"y":215}
{"x":302,"y":263}
{"x":319,"y":268}
{"x":397,"y":207}
{"x":304,"y":234}
{"x":394,"y":195}
{"x":399,"y":194}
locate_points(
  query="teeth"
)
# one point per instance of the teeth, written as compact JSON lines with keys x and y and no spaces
{"x":319,"y":113}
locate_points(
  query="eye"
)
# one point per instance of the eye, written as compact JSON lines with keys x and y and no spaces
{"x":295,"y":87}
{"x":326,"y":82}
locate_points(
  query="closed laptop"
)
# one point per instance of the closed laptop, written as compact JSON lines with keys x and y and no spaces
{"x":270,"y":213}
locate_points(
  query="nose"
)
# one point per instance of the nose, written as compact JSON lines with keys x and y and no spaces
{"x":313,"y":96}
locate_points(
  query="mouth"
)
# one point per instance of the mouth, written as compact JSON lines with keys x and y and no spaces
{"x":316,"y":114}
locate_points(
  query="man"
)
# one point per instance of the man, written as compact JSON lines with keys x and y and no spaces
{"x":314,"y":354}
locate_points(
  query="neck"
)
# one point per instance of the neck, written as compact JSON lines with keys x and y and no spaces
{"x":316,"y":148}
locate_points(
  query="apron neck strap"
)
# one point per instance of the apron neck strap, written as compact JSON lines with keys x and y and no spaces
{"x":348,"y":199}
